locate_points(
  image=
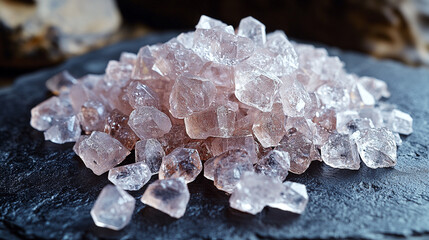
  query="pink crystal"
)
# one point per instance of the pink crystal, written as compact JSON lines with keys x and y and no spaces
{"x":151,"y":153}
{"x":116,"y":125}
{"x":168,"y":195}
{"x":61,"y":82}
{"x":142,"y":95}
{"x":149,"y":122}
{"x":100,"y":152}
{"x":275,"y":164}
{"x":130,"y":177}
{"x":182,"y":162}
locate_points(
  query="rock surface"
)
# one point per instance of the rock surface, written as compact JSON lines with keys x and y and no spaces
{"x":369,"y":204}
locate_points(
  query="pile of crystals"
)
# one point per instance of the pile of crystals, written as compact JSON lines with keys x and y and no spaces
{"x":246,"y":106}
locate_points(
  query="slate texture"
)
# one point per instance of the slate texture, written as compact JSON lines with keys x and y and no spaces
{"x":47,"y":193}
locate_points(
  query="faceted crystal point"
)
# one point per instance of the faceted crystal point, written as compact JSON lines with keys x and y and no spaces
{"x":254,"y":191}
{"x":130,"y":177}
{"x":400,"y":122}
{"x":141,"y":95}
{"x":340,"y":152}
{"x":285,"y":53}
{"x":294,"y":198}
{"x":61,"y":82}
{"x":117,"y":126}
{"x":295,"y":99}
{"x":253,"y":29}
{"x":191,"y":94}
{"x":228,"y":167}
{"x":149,"y":122}
{"x":44,"y":115}
{"x":206,"y":22}
{"x":255,"y":88}
{"x":269,"y":128}
{"x":376,"y":87}
{"x":275,"y":164}
{"x":118,"y":73}
{"x":168,"y":195}
{"x":182,"y":162}
{"x":376,"y":147}
{"x":151,"y":153}
{"x":64,"y":130}
{"x":100,"y":152}
{"x":113,"y":208}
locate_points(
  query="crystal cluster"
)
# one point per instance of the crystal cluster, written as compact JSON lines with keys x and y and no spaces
{"x":242,"y":106}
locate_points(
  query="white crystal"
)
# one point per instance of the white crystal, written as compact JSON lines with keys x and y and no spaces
{"x":130,"y":177}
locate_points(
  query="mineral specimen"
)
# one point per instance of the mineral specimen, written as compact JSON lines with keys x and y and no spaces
{"x":130,"y":177}
{"x":253,"y":106}
{"x":168,"y":195}
{"x":113,"y":208}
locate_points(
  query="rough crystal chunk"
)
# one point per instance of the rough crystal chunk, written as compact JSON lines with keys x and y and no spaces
{"x":228,"y":168}
{"x":61,"y":82}
{"x":246,"y":143}
{"x":168,"y":195}
{"x":400,"y":122}
{"x":253,"y":29}
{"x":255,"y":88}
{"x":340,"y":152}
{"x":206,"y":22}
{"x":118,"y":73}
{"x":117,"y":126}
{"x":141,"y":95}
{"x":275,"y":164}
{"x":100,"y":152}
{"x":150,"y":152}
{"x":182,"y":162}
{"x":295,"y":99}
{"x":191,"y":94}
{"x":130,"y":177}
{"x":149,"y":122}
{"x":93,"y":116}
{"x":285,"y":57}
{"x":376,"y":87}
{"x":44,"y":115}
{"x":376,"y":147}
{"x":294,"y":198}
{"x":269,"y":128}
{"x":113,"y":208}
{"x":64,"y":130}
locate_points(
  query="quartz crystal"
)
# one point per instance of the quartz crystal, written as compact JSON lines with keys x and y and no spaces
{"x":151,"y":153}
{"x":251,"y":194}
{"x":113,"y":208}
{"x":182,"y":162}
{"x":340,"y":152}
{"x":168,"y":195}
{"x":149,"y":122}
{"x":100,"y":152}
{"x":130,"y":177}
{"x":377,"y":147}
{"x":251,"y":105}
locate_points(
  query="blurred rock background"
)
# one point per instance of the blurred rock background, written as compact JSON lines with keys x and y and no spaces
{"x":39,"y":33}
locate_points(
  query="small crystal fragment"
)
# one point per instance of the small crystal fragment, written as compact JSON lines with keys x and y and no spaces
{"x":130,"y":177}
{"x":149,"y":122}
{"x":64,"y":130}
{"x":100,"y":152}
{"x":340,"y":152}
{"x":275,"y":164}
{"x":141,"y":95}
{"x":269,"y":128}
{"x":246,"y":143}
{"x":61,"y":82}
{"x":182,"y":162}
{"x":228,"y":168}
{"x":253,"y":29}
{"x":150,"y":152}
{"x":44,"y":115}
{"x":93,"y":115}
{"x":294,"y":198}
{"x":376,"y":147}
{"x":191,"y":94}
{"x":113,"y":208}
{"x":117,"y":126}
{"x":168,"y":195}
{"x":400,"y":122}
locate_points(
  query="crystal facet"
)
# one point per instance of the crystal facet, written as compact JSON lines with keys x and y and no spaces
{"x":130,"y":177}
{"x":182,"y":162}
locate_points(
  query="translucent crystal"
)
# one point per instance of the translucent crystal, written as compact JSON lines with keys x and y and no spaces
{"x":400,"y":122}
{"x":228,"y":168}
{"x":253,"y":29}
{"x":285,"y":57}
{"x":340,"y":152}
{"x":294,"y":198}
{"x":142,"y":95}
{"x":100,"y":152}
{"x":116,"y":125}
{"x":64,"y":130}
{"x":92,"y":116}
{"x":255,"y":88}
{"x":130,"y":177}
{"x":182,"y":162}
{"x":269,"y":128}
{"x":149,"y":122}
{"x":376,"y":147}
{"x":246,"y":143}
{"x":206,"y":22}
{"x":191,"y":94}
{"x":151,"y":153}
{"x":45,"y":114}
{"x":168,"y":195}
{"x":376,"y":87}
{"x":118,"y":73}
{"x":295,"y":99}
{"x":275,"y":164}
{"x":113,"y":208}
{"x":61,"y":82}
